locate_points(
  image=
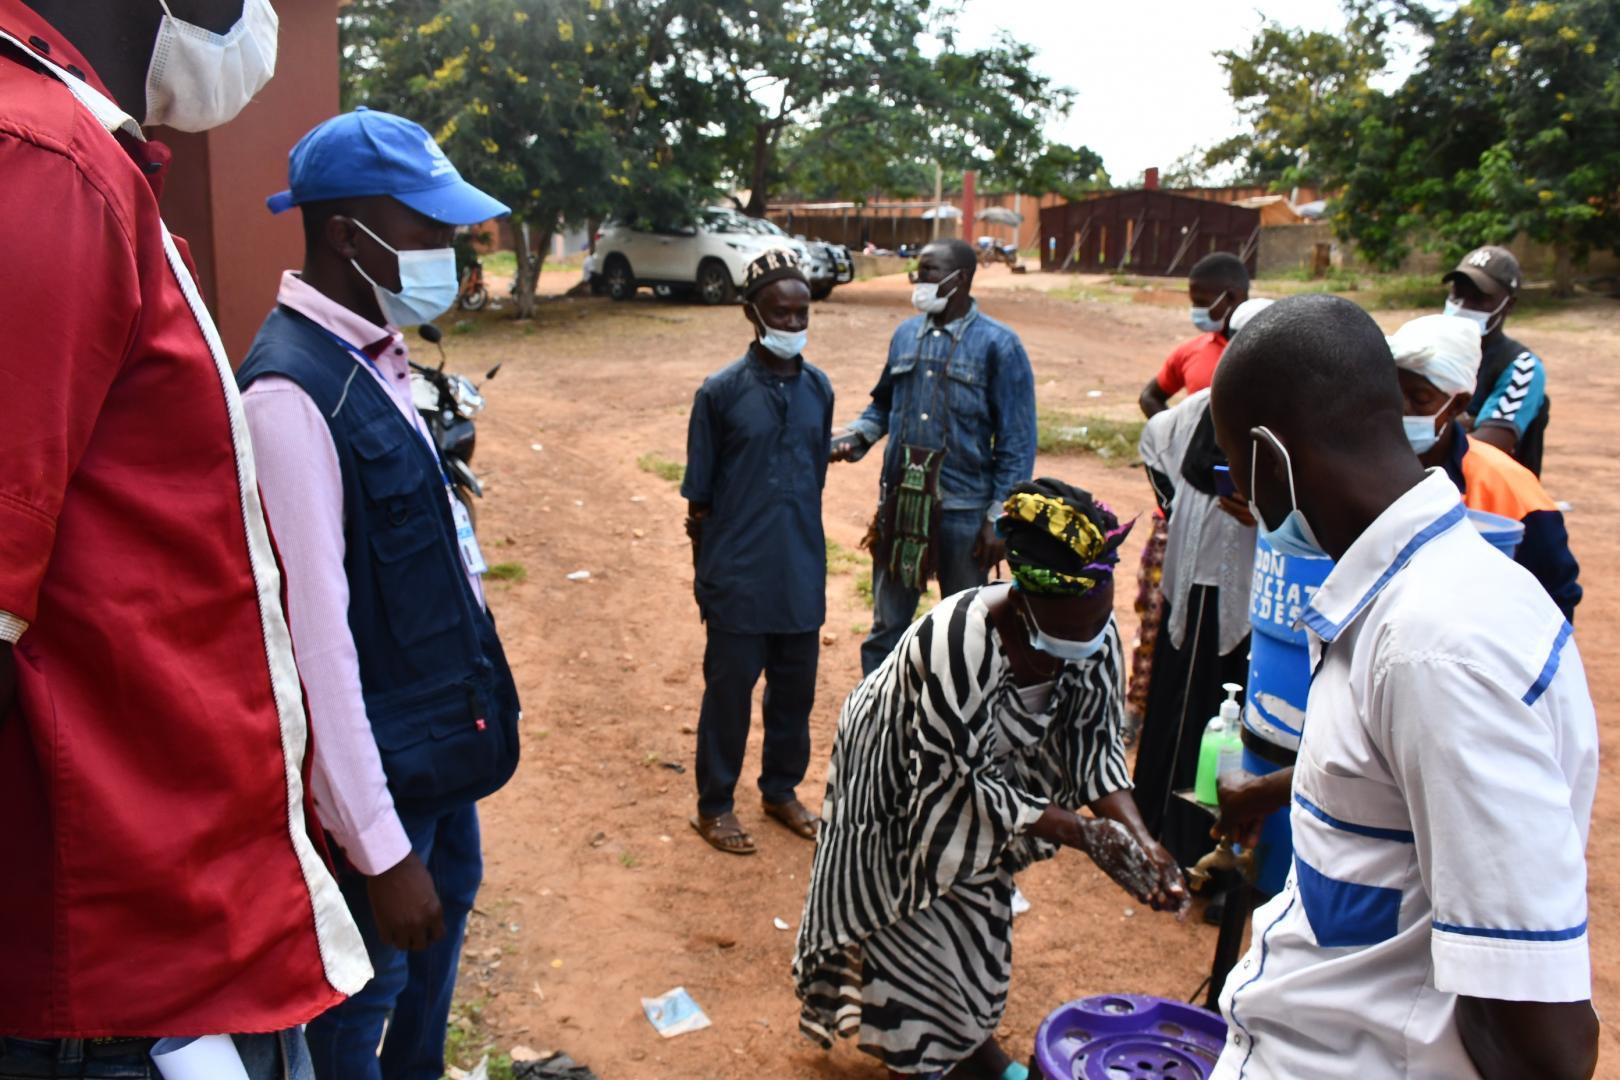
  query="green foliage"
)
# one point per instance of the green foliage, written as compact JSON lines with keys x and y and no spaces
{"x":662,"y":467}
{"x":1071,"y":171}
{"x":563,"y":109}
{"x":507,"y":571}
{"x":837,"y":98}
{"x":466,"y":1041}
{"x":1110,"y":439}
{"x":1288,"y":85}
{"x":1509,"y":124}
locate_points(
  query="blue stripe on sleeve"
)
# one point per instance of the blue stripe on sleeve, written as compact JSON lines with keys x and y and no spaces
{"x":1399,"y":835}
{"x":1569,"y":934}
{"x":1550,"y":668}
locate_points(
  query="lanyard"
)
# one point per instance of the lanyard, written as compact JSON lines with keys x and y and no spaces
{"x":372,"y":364}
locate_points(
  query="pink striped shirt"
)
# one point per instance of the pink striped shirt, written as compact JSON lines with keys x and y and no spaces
{"x":303,"y":496}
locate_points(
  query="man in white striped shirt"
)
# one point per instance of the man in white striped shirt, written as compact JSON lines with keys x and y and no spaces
{"x":1434,"y":923}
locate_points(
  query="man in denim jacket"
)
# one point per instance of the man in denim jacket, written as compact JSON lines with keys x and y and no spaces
{"x":959,"y":381}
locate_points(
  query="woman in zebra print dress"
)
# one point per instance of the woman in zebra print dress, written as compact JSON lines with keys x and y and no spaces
{"x":955,"y":766}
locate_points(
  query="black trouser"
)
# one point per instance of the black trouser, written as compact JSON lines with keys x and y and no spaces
{"x":732,"y":664}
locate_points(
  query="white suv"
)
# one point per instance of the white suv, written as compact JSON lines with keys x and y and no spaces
{"x":709,"y":257}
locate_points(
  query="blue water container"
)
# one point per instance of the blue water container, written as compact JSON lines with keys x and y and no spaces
{"x":1503,"y":533}
{"x":1279,"y":683}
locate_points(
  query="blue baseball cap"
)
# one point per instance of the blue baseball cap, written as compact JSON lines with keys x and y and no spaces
{"x":367,"y":152}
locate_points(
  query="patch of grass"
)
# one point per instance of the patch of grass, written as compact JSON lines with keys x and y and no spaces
{"x":1094,"y":293}
{"x":1406,"y":291}
{"x":503,"y":263}
{"x":466,"y":1043}
{"x":1112,"y":440}
{"x":662,"y":467}
{"x":840,"y":559}
{"x":628,"y":860}
{"x":507,"y":571}
{"x":863,"y":588}
{"x":857,"y":628}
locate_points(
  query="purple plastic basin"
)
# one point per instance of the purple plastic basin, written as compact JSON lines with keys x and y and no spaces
{"x":1129,"y":1037}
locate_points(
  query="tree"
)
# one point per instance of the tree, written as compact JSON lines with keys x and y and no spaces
{"x":1071,"y":171}
{"x":1509,"y":125}
{"x":839,"y":96}
{"x":1288,"y":84}
{"x":566,"y":110}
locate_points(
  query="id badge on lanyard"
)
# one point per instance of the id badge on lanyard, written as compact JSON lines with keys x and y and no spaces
{"x":471,"y":554}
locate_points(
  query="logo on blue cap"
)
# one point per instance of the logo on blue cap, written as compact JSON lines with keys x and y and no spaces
{"x":368,"y":152}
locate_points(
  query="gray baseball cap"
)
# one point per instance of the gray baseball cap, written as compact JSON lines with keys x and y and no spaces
{"x":1493,"y":269}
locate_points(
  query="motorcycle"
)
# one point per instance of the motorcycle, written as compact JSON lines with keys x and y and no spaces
{"x":448,"y":403}
{"x":473,"y":295}
{"x":988,"y":252}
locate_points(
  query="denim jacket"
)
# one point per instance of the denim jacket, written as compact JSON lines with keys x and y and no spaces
{"x":968,"y":387}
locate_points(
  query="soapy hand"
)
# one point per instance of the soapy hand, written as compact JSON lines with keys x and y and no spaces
{"x":1148,"y":872}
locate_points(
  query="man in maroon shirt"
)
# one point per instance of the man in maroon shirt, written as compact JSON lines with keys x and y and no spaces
{"x":161,"y":875}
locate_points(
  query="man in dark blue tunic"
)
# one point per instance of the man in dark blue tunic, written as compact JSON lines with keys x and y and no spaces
{"x":756,"y":461}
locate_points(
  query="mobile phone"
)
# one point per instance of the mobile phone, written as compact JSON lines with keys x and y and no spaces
{"x":1223,"y":482}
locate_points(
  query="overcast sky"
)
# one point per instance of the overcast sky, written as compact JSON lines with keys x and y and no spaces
{"x":1148,"y":86}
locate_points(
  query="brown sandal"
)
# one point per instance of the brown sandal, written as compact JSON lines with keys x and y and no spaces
{"x":795,"y":816}
{"x":724,"y":833}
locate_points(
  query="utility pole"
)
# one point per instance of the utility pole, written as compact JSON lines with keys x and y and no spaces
{"x":938,"y":194}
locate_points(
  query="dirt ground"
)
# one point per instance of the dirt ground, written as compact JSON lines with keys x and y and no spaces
{"x":597,"y":892}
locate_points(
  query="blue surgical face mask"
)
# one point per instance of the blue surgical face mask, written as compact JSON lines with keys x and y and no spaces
{"x":786,"y":344}
{"x":1485,"y":320}
{"x":1204,"y":321}
{"x":1420,"y":432}
{"x":427,"y":283}
{"x":1294,"y":536}
{"x":1061,"y":648}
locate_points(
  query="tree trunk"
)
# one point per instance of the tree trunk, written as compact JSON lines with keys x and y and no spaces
{"x":526,"y":277}
{"x":759,"y":173}
{"x":1563,"y":269}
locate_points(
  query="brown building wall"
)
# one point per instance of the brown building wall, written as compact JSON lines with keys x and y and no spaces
{"x":219,"y":180}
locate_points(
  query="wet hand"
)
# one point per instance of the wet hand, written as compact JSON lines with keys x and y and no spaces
{"x":1148,"y":873}
{"x":1245,"y":800}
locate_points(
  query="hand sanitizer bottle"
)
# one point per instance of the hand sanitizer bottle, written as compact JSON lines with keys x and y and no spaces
{"x":1221,"y":736}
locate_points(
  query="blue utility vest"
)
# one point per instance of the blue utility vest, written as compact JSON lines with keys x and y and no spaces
{"x":437,"y":688}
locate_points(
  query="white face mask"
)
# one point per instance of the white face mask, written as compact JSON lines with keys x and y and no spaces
{"x":1061,"y":648}
{"x":1420,"y":432}
{"x":786,"y":344}
{"x":1486,"y":320}
{"x":1204,"y":321}
{"x":427,"y":283}
{"x":199,"y":79}
{"x":925,"y":295}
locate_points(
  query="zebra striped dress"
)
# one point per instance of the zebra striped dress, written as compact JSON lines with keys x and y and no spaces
{"x":937,"y":771}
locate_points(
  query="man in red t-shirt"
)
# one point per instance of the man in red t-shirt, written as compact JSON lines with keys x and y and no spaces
{"x":1217,"y":284}
{"x":161,"y":875}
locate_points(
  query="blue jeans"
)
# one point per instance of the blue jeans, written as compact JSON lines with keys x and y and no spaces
{"x":893,"y":604}
{"x":281,"y":1056}
{"x":416,"y":987}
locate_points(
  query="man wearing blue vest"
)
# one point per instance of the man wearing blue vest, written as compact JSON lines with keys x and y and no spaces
{"x":413,"y":705}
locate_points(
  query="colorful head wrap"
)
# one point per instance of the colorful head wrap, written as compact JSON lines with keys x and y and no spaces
{"x":1060,"y":541}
